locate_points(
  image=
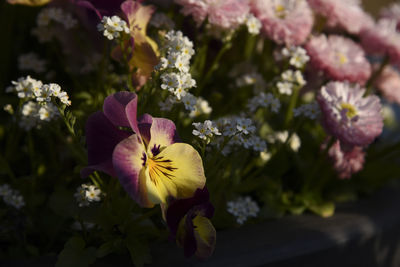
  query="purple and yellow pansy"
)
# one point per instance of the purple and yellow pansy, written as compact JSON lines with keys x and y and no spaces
{"x":188,"y":221}
{"x":143,"y":153}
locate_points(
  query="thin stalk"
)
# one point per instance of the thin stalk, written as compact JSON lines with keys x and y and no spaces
{"x":292,"y":105}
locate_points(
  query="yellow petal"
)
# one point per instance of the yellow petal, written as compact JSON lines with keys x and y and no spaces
{"x":29,"y":2}
{"x":177,"y":171}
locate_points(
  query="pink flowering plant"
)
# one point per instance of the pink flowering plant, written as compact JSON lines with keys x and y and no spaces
{"x":129,"y":125}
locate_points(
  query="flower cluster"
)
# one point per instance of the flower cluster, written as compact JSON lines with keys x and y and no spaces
{"x":283,"y":137}
{"x":290,"y":80}
{"x":11,"y":197}
{"x":240,"y":131}
{"x":176,"y":77}
{"x":44,"y":23}
{"x":205,"y":130}
{"x":297,"y":56}
{"x":310,"y":111}
{"x":31,"y":62}
{"x":243,"y":208}
{"x":86,"y":194}
{"x":38,"y":105}
{"x":112,"y":27}
{"x":264,"y":100}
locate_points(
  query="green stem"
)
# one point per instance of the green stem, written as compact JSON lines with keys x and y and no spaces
{"x":292,"y":105}
{"x":226,"y":46}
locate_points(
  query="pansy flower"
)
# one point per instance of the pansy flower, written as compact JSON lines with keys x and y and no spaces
{"x":188,"y":221}
{"x":143,"y":154}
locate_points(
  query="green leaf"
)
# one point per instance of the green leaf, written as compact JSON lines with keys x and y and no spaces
{"x":75,"y":254}
{"x":139,"y":250}
{"x":325,"y":210}
{"x":106,"y":249}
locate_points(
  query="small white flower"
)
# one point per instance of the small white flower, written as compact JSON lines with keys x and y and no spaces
{"x":31,"y":62}
{"x":244,"y":125}
{"x":285,"y":87}
{"x":112,"y":27}
{"x":243,"y":208}
{"x":93,"y":194}
{"x":5,"y":190}
{"x":202,"y":107}
{"x":170,"y":81}
{"x":189,"y":101}
{"x":87,"y":193}
{"x":45,"y":94}
{"x":47,"y":112}
{"x":253,"y":24}
{"x":167,"y":104}
{"x":9,"y":109}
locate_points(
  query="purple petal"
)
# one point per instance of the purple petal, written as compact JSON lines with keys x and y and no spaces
{"x":144,"y":124}
{"x":115,"y":108}
{"x":131,"y":114}
{"x":162,"y":133}
{"x":188,"y":240}
{"x":179,"y":208}
{"x":101,"y":138}
{"x":128,"y":158}
{"x":90,"y":6}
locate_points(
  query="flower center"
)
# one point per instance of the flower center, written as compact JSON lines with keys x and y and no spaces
{"x":280,"y":11}
{"x":342,"y":58}
{"x":351,"y":110}
{"x":160,"y":167}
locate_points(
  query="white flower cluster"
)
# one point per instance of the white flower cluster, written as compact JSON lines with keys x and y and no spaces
{"x":310,"y":110}
{"x":264,"y":100}
{"x":290,"y":80}
{"x":44,"y":19}
{"x":241,"y":132}
{"x":160,"y":20}
{"x":38,"y":96}
{"x":243,"y":208}
{"x":11,"y":197}
{"x":31,"y":62}
{"x":253,"y":24}
{"x":252,"y":79}
{"x":112,"y":27}
{"x":297,"y":56}
{"x":282,"y":137}
{"x":86,"y":194}
{"x":176,"y":77}
{"x":205,"y":130}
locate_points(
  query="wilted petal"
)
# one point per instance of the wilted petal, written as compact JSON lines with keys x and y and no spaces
{"x":162,"y":134}
{"x":129,"y":158}
{"x":177,"y":209}
{"x":120,"y":109}
{"x":101,"y":138}
{"x":205,"y":236}
{"x":177,"y":171}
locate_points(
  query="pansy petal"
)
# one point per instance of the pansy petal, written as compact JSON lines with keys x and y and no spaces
{"x":162,"y":134}
{"x":205,"y":236}
{"x":177,"y":209}
{"x":144,"y":125}
{"x":129,"y":158}
{"x":115,"y":108}
{"x":101,"y":138}
{"x":177,"y":171}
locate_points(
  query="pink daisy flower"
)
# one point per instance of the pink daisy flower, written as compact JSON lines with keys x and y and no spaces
{"x":227,"y":14}
{"x":388,"y":83}
{"x":346,"y":161}
{"x":286,"y":22}
{"x":382,"y":39}
{"x":339,"y":58}
{"x":347,"y":115}
{"x":345,"y":14}
{"x":392,"y":12}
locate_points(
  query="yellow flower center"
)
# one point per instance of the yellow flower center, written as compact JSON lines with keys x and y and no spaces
{"x":160,"y":167}
{"x":280,"y":11}
{"x":351,"y":110}
{"x":342,"y":58}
